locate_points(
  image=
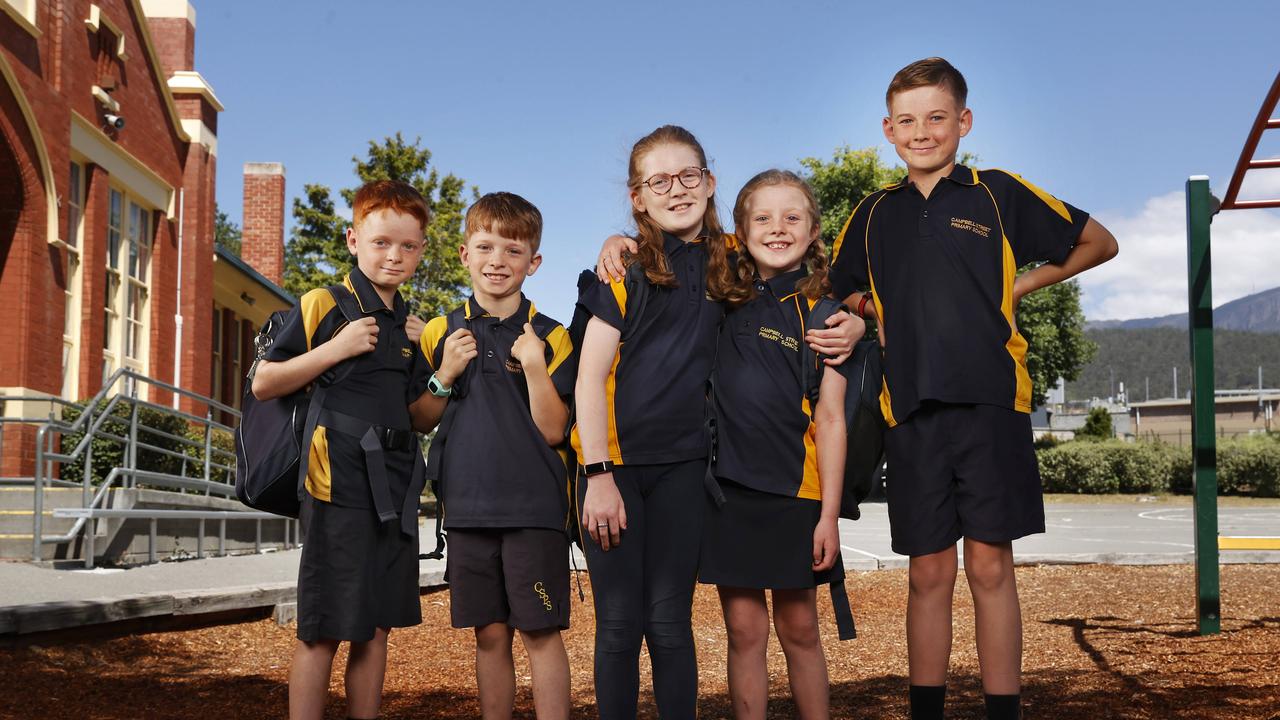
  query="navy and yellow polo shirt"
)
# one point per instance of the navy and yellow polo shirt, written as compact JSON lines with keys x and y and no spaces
{"x":500,"y":471}
{"x":378,"y":390}
{"x":656,"y":391}
{"x":941,"y":271}
{"x":764,"y":426}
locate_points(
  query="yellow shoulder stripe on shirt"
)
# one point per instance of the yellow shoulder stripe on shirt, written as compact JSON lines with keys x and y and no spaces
{"x":1053,"y":202}
{"x":315,"y":305}
{"x":835,"y":247}
{"x":432,"y":335}
{"x":619,"y":289}
{"x":561,"y":348}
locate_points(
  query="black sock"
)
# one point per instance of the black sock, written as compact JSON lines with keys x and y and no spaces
{"x":927,"y":701}
{"x":1003,"y":707}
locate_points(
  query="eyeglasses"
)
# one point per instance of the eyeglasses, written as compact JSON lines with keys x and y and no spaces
{"x":661,"y":184}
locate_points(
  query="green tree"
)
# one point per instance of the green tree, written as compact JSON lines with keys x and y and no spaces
{"x":1053,"y":324}
{"x":225,"y":232}
{"x":841,"y":182}
{"x":1050,"y":319}
{"x":1097,"y":426}
{"x":317,"y":253}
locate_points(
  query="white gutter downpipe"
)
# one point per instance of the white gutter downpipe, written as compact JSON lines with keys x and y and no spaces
{"x":177,"y":317}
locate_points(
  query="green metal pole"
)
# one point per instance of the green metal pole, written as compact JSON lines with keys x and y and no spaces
{"x":1203,"y":455}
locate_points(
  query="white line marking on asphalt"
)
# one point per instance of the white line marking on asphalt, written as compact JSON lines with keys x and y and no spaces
{"x":860,"y":552}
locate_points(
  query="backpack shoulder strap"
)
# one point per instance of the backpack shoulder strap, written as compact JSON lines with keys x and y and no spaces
{"x":346,"y":301}
{"x":811,"y":363}
{"x":351,"y":312}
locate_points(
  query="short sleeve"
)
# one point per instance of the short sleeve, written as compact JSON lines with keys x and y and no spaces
{"x":1039,"y":226}
{"x":849,"y":253}
{"x":607,"y":301}
{"x":297,"y":335}
{"x":563,"y":366}
{"x":432,"y":341}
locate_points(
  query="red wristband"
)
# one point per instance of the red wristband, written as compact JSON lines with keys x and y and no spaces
{"x":862,"y":304}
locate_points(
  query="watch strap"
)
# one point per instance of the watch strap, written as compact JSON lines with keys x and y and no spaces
{"x":597,"y":468}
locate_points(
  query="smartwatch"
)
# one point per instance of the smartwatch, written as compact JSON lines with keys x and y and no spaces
{"x":437,"y":388}
{"x":597,"y":468}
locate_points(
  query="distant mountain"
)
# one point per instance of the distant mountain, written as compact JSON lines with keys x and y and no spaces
{"x":1143,"y":360}
{"x":1259,"y":312}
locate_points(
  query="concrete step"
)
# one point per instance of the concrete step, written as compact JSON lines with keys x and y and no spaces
{"x":20,"y":498}
{"x":19,"y":521}
{"x":17,"y":546}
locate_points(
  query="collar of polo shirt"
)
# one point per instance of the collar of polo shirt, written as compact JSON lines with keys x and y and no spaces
{"x":516,"y":320}
{"x":960,"y":174}
{"x":784,"y":284}
{"x":367,"y":297}
{"x":671,"y":243}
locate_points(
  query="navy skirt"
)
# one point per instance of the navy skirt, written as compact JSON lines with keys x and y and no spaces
{"x":761,"y":540}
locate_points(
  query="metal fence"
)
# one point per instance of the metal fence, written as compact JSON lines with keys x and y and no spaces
{"x":113,"y":415}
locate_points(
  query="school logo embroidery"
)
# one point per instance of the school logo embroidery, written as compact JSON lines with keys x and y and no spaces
{"x":785,"y":341}
{"x":542,"y":593}
{"x":514,"y":366}
{"x":406,"y":352}
{"x":971,"y":226}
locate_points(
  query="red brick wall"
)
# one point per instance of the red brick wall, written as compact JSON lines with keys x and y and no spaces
{"x":262,"y":241}
{"x":54,"y":73}
{"x":175,"y":43}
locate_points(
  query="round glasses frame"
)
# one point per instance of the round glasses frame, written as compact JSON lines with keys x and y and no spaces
{"x":661,"y":183}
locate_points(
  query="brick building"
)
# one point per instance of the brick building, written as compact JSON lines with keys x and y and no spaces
{"x":108,"y":156}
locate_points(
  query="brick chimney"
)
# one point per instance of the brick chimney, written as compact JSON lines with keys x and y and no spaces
{"x":262,"y":238}
{"x":172,"y":25}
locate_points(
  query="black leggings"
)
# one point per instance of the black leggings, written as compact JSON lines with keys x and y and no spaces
{"x":643,"y":589}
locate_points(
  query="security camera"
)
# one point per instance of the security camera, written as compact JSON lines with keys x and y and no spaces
{"x":115,"y":121}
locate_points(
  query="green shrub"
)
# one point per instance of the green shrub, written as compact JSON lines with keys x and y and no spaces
{"x":1249,"y":466}
{"x":1097,"y":426}
{"x":109,"y":453}
{"x":1077,"y":467}
{"x":1246,"y":466}
{"x":219,"y":439}
{"x":1046,"y":441}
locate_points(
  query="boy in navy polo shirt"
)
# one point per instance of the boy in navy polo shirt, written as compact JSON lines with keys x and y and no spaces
{"x":937,"y":255}
{"x":358,"y":576}
{"x":504,"y":489}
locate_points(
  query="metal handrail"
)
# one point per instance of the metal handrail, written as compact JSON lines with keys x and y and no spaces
{"x":96,"y":413}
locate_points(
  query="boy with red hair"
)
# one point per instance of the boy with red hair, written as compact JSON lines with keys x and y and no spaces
{"x":358,"y":577}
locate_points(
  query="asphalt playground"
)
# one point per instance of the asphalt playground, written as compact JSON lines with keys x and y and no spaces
{"x":36,"y":599}
{"x":1132,"y":533}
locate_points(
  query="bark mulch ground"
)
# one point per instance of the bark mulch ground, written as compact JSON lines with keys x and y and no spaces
{"x":1101,"y":642}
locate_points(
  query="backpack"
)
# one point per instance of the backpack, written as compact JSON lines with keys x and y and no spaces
{"x":864,"y":423}
{"x":457,"y":320}
{"x":274,"y":435}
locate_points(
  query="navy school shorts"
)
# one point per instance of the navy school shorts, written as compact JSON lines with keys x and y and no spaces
{"x":519,"y":577}
{"x":356,"y":574}
{"x":961,"y":471}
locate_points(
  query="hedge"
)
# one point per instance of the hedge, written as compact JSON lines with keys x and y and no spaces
{"x":1246,"y":466}
{"x":108,"y":453}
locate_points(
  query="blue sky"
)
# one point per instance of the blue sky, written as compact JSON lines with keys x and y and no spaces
{"x":1108,"y":105}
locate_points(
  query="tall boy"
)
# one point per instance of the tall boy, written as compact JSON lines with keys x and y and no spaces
{"x":504,"y":492}
{"x":358,"y":576}
{"x":939,"y":252}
